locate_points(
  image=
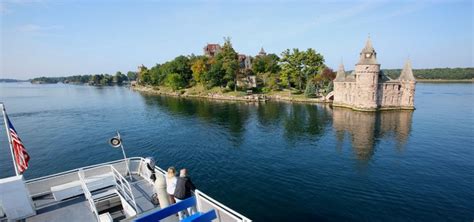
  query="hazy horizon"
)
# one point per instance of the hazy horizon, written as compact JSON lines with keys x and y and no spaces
{"x":52,"y":38}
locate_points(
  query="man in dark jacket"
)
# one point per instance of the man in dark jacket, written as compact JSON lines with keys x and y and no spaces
{"x":184,"y":186}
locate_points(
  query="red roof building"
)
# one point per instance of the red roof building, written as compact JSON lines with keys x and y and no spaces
{"x":211,"y":50}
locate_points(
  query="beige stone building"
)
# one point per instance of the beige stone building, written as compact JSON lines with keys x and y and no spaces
{"x":368,"y":89}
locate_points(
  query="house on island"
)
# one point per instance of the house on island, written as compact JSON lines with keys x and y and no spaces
{"x":245,"y":65}
{"x":211,"y":50}
{"x":367,"y":88}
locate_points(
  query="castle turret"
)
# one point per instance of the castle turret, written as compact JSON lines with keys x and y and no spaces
{"x":407,"y":72}
{"x":367,"y":76}
{"x":262,"y":52}
{"x":341,"y":74}
{"x":407,"y":82}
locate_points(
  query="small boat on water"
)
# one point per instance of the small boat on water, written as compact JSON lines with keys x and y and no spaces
{"x":130,"y":189}
{"x":102,"y":192}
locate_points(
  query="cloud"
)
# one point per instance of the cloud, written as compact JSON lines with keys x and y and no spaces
{"x":6,"y":5}
{"x":24,"y":1}
{"x":33,"y":28}
{"x":345,"y":14}
{"x":3,"y":9}
{"x":406,"y":9}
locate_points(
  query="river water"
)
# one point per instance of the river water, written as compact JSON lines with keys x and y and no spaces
{"x":270,"y":161}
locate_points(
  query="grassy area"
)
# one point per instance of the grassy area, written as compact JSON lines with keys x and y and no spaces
{"x":226,"y":94}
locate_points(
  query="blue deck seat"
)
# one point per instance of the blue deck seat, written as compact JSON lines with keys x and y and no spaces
{"x":201,"y":217}
{"x":167,"y":211}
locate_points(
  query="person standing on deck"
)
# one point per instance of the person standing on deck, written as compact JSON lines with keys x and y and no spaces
{"x":184,"y":186}
{"x":171,"y":183}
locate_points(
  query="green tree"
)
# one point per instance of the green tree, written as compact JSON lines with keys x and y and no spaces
{"x":132,"y":76}
{"x":144,"y":76}
{"x":96,"y":79}
{"x":182,"y":66}
{"x":199,"y":67}
{"x":175,"y":81}
{"x":230,"y":63}
{"x":299,"y":66}
{"x":310,"y":90}
{"x":119,"y":78}
{"x":106,"y":80}
{"x":265,"y":66}
{"x":215,"y":75}
{"x":156,"y":74}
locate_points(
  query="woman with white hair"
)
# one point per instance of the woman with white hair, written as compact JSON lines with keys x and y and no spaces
{"x":171,"y":183}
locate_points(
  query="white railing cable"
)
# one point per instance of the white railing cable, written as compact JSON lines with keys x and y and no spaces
{"x":200,"y":196}
{"x":124,"y":186}
{"x":88,"y":194}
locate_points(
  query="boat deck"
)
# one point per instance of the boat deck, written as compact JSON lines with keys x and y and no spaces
{"x":77,"y":207}
{"x":105,"y":192}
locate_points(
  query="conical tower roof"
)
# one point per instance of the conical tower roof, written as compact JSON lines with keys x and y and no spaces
{"x":368,"y":46}
{"x":341,"y":74}
{"x":368,"y":56}
{"x":407,"y":72}
{"x":262,"y":52}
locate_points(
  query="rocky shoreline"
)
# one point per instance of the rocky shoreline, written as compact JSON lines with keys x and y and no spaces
{"x":220,"y":96}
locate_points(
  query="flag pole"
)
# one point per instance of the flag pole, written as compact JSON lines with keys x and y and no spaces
{"x":7,"y":129}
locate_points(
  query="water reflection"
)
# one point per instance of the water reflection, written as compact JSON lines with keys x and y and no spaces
{"x":365,"y":129}
{"x":305,"y":121}
{"x":294,"y":122}
{"x":231,"y":115}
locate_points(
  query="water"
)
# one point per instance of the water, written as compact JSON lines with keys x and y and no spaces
{"x":273,"y":161}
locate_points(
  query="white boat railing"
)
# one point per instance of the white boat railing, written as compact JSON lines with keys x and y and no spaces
{"x":205,"y":203}
{"x":42,"y":185}
{"x":88,"y":194}
{"x":124,"y":188}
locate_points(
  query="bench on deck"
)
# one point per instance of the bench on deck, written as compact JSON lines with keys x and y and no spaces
{"x":74,"y":188}
{"x":177,"y":207}
{"x":105,"y":217}
{"x":201,"y":217}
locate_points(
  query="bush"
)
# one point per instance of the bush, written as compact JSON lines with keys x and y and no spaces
{"x":266,"y":90}
{"x":175,"y":81}
{"x":310,"y":91}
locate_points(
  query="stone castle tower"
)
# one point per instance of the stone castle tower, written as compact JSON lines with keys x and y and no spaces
{"x":366,"y":74}
{"x":368,"y":89}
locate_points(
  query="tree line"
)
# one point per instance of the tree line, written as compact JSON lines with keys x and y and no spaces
{"x":436,"y":73}
{"x":294,"y":69}
{"x":96,"y":79}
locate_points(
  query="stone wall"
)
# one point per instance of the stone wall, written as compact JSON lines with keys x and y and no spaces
{"x":367,"y":84}
{"x":344,"y":93}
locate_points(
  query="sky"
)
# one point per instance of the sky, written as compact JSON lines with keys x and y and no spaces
{"x":72,"y":37}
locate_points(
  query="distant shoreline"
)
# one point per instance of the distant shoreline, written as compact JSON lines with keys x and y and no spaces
{"x":445,"y":80}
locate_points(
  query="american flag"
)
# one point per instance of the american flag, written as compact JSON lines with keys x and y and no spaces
{"x":19,"y":151}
